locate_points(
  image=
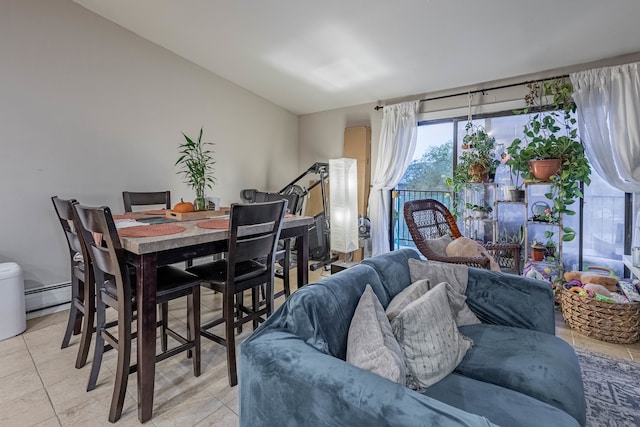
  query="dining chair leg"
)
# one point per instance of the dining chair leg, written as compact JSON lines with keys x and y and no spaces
{"x":75,"y":316}
{"x":255,"y":302}
{"x":87,"y":327}
{"x":98,"y":352}
{"x":164,"y":319}
{"x":286,"y":268}
{"x":193,"y":328}
{"x":122,"y":373}
{"x":229,"y":321}
{"x":237,"y":312}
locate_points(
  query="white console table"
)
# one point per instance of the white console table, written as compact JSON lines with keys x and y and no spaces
{"x":626,"y":259}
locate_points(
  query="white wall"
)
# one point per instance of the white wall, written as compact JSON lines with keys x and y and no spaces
{"x":321,"y":135}
{"x":89,"y":109}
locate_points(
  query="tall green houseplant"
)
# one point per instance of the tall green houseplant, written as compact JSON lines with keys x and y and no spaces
{"x":553,"y":135}
{"x":196,"y":167}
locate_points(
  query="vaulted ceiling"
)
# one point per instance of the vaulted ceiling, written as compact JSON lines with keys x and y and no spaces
{"x":310,"y":56}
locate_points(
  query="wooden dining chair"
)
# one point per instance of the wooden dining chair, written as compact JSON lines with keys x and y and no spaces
{"x":131,"y":199}
{"x":253,"y":235}
{"x":83,"y":307}
{"x":114,"y":289}
{"x":283,"y":255}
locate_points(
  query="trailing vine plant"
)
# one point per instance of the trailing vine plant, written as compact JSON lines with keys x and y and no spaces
{"x":553,"y":135}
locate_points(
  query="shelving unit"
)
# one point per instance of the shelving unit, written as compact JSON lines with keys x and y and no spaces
{"x":509,"y":221}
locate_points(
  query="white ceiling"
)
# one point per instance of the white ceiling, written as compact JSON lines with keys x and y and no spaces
{"x":310,"y":56}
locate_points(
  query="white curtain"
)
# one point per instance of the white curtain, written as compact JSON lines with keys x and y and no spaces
{"x":397,"y":144}
{"x":608,"y":101}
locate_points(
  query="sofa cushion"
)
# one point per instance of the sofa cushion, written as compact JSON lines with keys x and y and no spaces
{"x":499,"y":405}
{"x":533,"y":363}
{"x":321,"y":313}
{"x":507,"y":299}
{"x":454,"y":274}
{"x":371,"y":344}
{"x":392,"y":270}
{"x":429,"y":338}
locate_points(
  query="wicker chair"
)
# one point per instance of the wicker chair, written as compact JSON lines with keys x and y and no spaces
{"x":429,"y":219}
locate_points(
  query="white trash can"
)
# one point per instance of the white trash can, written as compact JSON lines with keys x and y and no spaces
{"x":13,"y":315}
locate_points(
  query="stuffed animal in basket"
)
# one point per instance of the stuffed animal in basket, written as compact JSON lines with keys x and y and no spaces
{"x":595,"y":275}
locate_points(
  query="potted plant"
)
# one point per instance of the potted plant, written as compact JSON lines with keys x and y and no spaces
{"x":553,"y":135}
{"x":550,"y":246}
{"x":537,"y":251}
{"x":476,"y":164}
{"x":196,"y":166}
{"x":478,"y":160}
{"x":479,"y":211}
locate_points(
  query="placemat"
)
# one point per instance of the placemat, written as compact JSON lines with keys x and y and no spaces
{"x":151,"y":230}
{"x":160,"y":212}
{"x":222,"y":223}
{"x":130,"y":215}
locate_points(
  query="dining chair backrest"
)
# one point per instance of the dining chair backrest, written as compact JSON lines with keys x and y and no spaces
{"x":131,"y":199}
{"x":254,"y":233}
{"x":103,"y":246}
{"x":82,"y":307}
{"x":64,"y":210}
{"x":255,"y":196}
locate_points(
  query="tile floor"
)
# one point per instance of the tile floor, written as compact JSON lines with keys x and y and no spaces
{"x":39,"y":385}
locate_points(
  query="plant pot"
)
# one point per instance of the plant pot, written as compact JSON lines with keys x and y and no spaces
{"x":512,"y":194}
{"x":200,"y":204}
{"x":479,"y":214}
{"x":537,"y":254}
{"x":517,"y":195}
{"x":543,"y":170}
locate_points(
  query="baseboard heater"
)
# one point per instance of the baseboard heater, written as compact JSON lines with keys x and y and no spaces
{"x":46,"y":297}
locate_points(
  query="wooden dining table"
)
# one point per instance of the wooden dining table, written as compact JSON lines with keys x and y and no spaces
{"x":148,"y":253}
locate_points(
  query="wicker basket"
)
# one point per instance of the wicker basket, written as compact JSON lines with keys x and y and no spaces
{"x":612,"y":322}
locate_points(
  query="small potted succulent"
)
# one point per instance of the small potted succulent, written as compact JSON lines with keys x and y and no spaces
{"x":196,"y":166}
{"x":479,"y":211}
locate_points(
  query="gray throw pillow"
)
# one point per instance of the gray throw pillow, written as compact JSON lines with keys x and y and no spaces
{"x":371,"y":344}
{"x":456,"y":275}
{"x":439,"y":245}
{"x":407,"y":296}
{"x":429,"y":338}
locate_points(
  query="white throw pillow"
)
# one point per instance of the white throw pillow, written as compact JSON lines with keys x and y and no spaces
{"x":429,"y":338}
{"x":406,"y":297}
{"x":371,"y":344}
{"x":438,"y":246}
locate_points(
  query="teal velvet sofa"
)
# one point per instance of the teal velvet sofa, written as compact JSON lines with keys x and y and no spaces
{"x":518,"y":373}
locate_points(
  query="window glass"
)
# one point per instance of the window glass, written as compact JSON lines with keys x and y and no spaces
{"x":602,"y":238}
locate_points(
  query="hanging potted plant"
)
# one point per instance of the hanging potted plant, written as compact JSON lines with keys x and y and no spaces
{"x":476,"y":164}
{"x":480,"y":157}
{"x":552,"y":135}
{"x":196,"y":166}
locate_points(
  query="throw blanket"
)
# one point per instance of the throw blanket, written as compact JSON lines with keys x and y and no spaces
{"x":465,"y":247}
{"x":457,"y":275}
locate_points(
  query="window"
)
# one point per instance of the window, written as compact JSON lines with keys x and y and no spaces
{"x":600,"y":240}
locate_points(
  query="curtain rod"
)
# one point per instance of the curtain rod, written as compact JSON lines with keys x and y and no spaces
{"x":563,"y":76}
